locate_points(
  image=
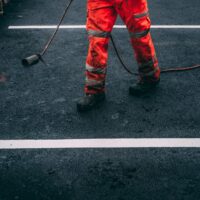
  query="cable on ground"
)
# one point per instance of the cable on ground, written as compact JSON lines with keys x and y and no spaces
{"x":167,"y":70}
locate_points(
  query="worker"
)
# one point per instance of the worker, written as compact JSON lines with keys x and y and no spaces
{"x":101,"y":17}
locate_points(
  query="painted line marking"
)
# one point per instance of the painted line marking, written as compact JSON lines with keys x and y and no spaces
{"x":116,"y":27}
{"x":102,"y":143}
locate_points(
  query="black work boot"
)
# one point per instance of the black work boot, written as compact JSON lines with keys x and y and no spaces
{"x":143,"y":87}
{"x":89,"y":101}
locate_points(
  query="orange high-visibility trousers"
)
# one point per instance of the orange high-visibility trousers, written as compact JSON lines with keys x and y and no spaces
{"x":101,"y":17}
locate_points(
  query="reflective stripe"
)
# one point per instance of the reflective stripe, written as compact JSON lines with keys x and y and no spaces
{"x":102,"y":34}
{"x":151,"y":73}
{"x":92,"y":82}
{"x":95,"y":87}
{"x":139,"y":34}
{"x":147,"y":64}
{"x":141,"y":15}
{"x":95,"y":69}
{"x":148,"y":68}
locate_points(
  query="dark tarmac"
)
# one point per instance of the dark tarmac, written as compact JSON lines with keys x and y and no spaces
{"x":40,"y":103}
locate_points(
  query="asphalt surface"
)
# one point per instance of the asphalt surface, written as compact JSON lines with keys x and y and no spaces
{"x":39,"y":103}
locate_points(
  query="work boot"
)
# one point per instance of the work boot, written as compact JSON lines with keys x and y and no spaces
{"x":89,"y":101}
{"x":143,"y":87}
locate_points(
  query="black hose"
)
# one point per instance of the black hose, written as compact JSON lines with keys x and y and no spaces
{"x":167,"y":70}
{"x":57,"y":28}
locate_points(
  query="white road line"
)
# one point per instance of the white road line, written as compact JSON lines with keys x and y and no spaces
{"x":102,"y":143}
{"x":116,"y":27}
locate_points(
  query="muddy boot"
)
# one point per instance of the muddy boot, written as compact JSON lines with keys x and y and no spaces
{"x":142,"y":87}
{"x":89,"y":101}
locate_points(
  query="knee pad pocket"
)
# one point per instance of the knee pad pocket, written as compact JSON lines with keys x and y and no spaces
{"x":139,"y":25}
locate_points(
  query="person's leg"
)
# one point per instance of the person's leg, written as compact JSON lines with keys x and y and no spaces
{"x":136,"y":17}
{"x":101,"y":17}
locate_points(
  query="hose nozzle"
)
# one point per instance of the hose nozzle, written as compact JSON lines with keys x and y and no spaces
{"x":31,"y":60}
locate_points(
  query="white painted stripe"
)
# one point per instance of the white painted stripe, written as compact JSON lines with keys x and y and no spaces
{"x":48,"y":27}
{"x":116,"y":27}
{"x":102,"y":143}
{"x":176,"y":26}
